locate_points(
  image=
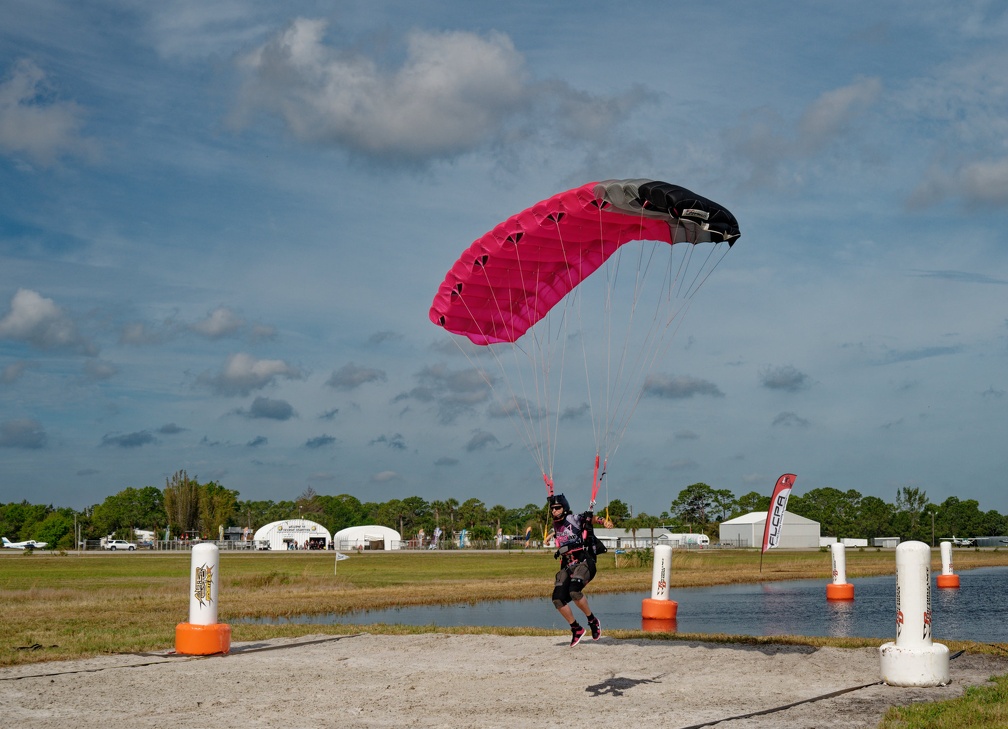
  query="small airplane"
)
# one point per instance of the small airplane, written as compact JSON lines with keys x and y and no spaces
{"x":30,"y":544}
{"x":958,"y":542}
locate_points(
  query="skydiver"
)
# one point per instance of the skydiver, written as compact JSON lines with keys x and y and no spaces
{"x":576,"y":549}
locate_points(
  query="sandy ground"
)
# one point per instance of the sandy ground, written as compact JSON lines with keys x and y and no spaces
{"x":439,"y":680}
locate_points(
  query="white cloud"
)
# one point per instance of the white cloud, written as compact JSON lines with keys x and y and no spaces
{"x":12,"y":372}
{"x":679,"y":387}
{"x":453,"y":391}
{"x":453,"y":93}
{"x":351,"y":376}
{"x":27,"y":433}
{"x":264,"y":407}
{"x":778,"y":149}
{"x":96,"y":370}
{"x":785,"y":378}
{"x":221,"y":322}
{"x":243,"y":373}
{"x":35,"y":125}
{"x":38,"y":321}
{"x":986,"y":182}
{"x":832,"y":114}
{"x":449,"y":95}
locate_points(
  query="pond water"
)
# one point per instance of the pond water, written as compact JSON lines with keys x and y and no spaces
{"x":978,"y":610}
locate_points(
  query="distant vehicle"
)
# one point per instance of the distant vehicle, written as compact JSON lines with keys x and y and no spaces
{"x":115,"y":544}
{"x":957,"y":542}
{"x":30,"y":544}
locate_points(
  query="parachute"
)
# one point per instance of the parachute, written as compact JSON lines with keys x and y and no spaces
{"x":521,"y":285}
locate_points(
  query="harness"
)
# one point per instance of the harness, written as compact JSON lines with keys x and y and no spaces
{"x":573,"y":549}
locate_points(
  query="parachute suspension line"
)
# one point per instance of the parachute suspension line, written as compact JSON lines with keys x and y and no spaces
{"x":481,"y":371}
{"x":630,"y":382}
{"x":658,"y":339}
{"x":611,"y":379}
{"x":573,"y":299}
{"x":697,"y":281}
{"x":631,"y":370}
{"x":509,"y":408}
{"x":677,"y":315}
{"x":542,"y":370}
{"x":597,"y":426}
{"x":538,"y":434}
{"x":595,"y":484}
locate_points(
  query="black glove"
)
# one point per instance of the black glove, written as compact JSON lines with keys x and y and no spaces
{"x":556,"y":554}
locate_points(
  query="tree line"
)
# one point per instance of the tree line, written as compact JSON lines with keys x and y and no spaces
{"x":186,"y":507}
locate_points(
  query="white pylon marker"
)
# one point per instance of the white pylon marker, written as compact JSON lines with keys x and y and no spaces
{"x":914,"y":659}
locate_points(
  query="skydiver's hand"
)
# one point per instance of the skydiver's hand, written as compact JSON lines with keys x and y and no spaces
{"x":556,"y":554}
{"x":607,"y":523}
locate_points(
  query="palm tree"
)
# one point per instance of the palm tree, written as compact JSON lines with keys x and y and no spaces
{"x":633,"y":524}
{"x":647,"y":521}
{"x":437,"y":507}
{"x":452,"y":505}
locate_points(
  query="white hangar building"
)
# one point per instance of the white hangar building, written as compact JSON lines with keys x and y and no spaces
{"x":370,"y":537}
{"x":292,"y":534}
{"x":797,"y":532}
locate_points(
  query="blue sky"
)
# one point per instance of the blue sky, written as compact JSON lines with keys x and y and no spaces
{"x":222,"y":225}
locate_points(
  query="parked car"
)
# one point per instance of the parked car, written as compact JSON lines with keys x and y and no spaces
{"x":115,"y":544}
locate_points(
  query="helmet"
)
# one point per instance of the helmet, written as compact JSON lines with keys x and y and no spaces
{"x":562,"y":500}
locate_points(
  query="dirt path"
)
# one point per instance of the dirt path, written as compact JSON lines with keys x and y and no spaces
{"x":458,"y":681}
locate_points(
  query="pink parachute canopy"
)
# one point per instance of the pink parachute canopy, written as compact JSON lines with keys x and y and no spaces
{"x":509,"y":279}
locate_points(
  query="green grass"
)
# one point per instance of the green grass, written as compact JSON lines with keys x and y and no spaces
{"x":980,"y":707}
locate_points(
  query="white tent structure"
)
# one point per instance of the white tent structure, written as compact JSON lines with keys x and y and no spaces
{"x":797,"y":532}
{"x":367,"y":537}
{"x":292,"y":534}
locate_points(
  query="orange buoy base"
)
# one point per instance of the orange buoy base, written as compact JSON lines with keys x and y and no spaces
{"x":843,"y":591}
{"x":658,"y":625}
{"x":652,"y":609}
{"x":202,"y":640}
{"x":951,"y":581}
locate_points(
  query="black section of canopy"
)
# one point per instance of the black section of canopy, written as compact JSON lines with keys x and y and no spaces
{"x":678,"y":202}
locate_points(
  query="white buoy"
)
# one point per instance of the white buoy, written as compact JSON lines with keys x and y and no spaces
{"x":203,"y":635}
{"x":660,"y":572}
{"x":839,"y":589}
{"x":947,"y":578}
{"x":658,"y":612}
{"x":914,"y":659}
{"x":203,"y":584}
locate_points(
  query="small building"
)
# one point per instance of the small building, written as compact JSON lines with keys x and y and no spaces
{"x":626,"y":539}
{"x":292,"y":534}
{"x":886,"y":542}
{"x":370,"y":537}
{"x":797,"y":532}
{"x":854,"y":542}
{"x":685,"y":539}
{"x":1001,"y":542}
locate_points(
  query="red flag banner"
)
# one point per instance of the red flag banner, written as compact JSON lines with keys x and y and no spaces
{"x":775,"y":514}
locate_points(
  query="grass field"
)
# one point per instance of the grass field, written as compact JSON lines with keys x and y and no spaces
{"x":58,"y":606}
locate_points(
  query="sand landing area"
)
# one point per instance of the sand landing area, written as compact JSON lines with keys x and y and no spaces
{"x":458,"y":681}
